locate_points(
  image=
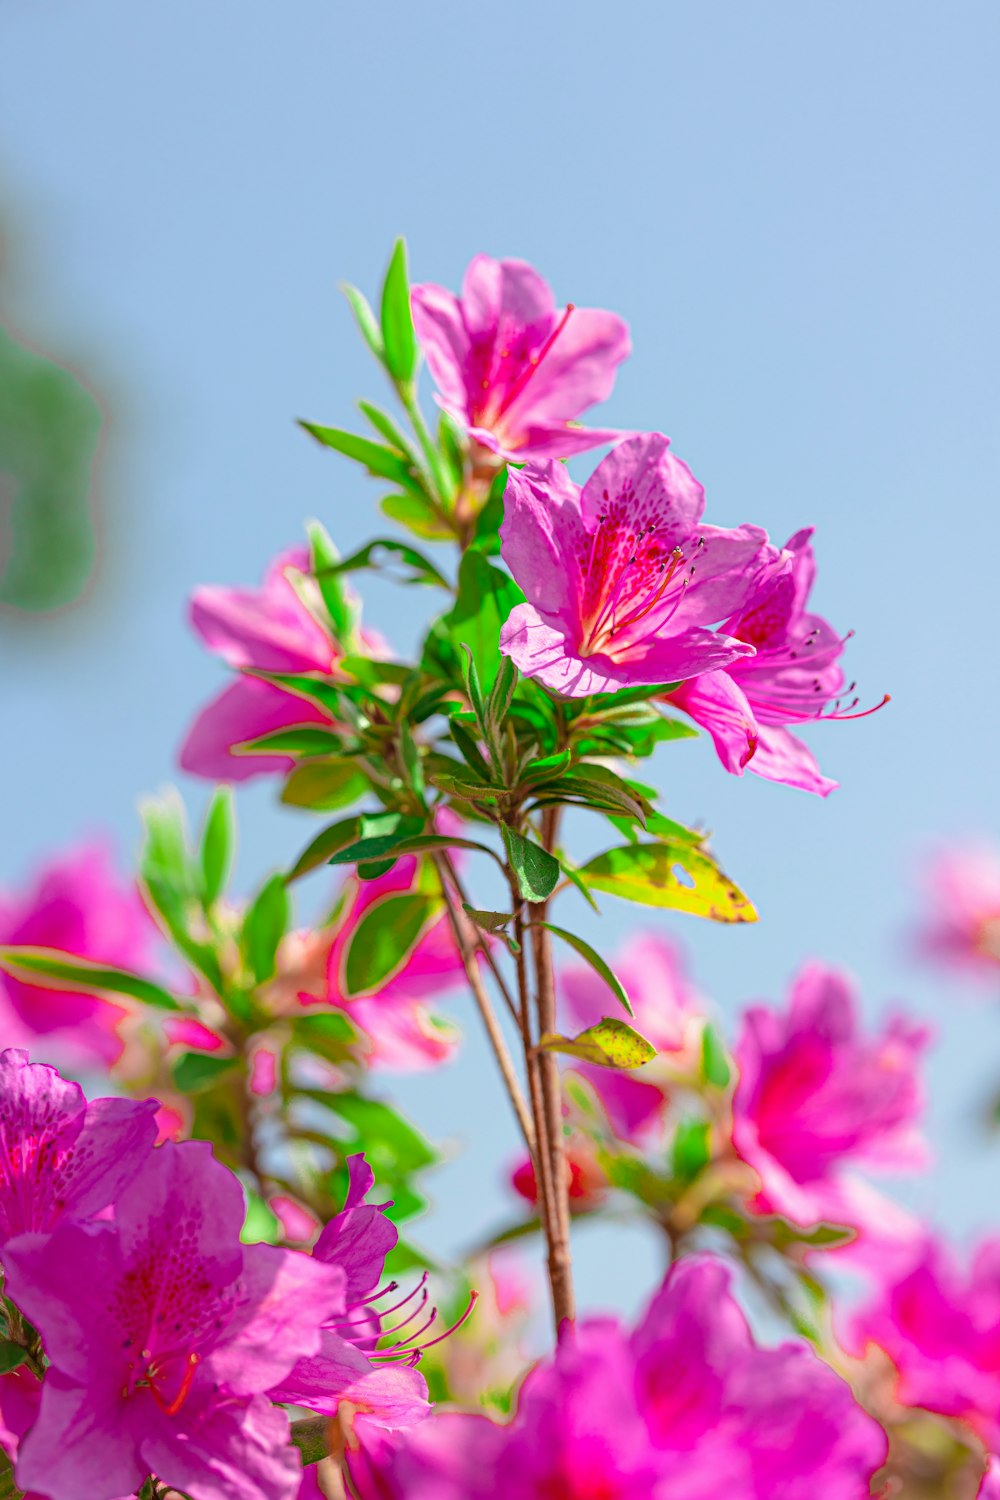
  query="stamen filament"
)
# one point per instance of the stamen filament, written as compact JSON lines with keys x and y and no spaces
{"x":535,"y":361}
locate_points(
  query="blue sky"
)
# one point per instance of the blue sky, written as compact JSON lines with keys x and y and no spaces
{"x":794,"y":206}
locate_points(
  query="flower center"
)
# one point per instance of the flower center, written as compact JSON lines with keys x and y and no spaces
{"x":620,"y":594}
{"x":529,"y":367}
{"x":167,"y":1376}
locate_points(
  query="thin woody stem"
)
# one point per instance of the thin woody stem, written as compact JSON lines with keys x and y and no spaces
{"x":479,"y":939}
{"x":505,"y":1063}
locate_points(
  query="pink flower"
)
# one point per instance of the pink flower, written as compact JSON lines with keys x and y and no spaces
{"x":20,"y":1397}
{"x":60,"y":1157}
{"x":990,"y":1487}
{"x":940,"y":1326}
{"x":685,"y":1408}
{"x":268,"y":628}
{"x":79,"y":907}
{"x":161,"y":1330}
{"x":963,"y":923}
{"x":667,"y":1012}
{"x":588,"y":1185}
{"x":346,"y":1367}
{"x":621,"y":578}
{"x":815,"y":1096}
{"x":791,"y":680}
{"x":512,"y":367}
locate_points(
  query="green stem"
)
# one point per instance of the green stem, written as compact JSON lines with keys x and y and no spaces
{"x":408,"y":396}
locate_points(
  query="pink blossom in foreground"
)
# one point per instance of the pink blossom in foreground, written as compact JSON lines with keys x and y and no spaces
{"x":62,"y":1158}
{"x":794,"y":678}
{"x":686,"y":1407}
{"x":816,"y":1096}
{"x":962,"y":921}
{"x":346,"y":1366}
{"x":20,"y":1397}
{"x":667,"y":1012}
{"x":268,"y":628}
{"x":622,"y":580}
{"x":162,"y":1330}
{"x":940,"y":1327}
{"x":990,"y":1487}
{"x":512,"y":367}
{"x":77,"y":906}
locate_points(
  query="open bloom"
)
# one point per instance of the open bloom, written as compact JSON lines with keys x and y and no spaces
{"x":686,"y":1407}
{"x":348,"y":1365}
{"x":162,"y":1330}
{"x":793,"y":678}
{"x":512,"y":367}
{"x":60,"y":1157}
{"x":940,"y":1327}
{"x":621,"y":578}
{"x":79,"y":907}
{"x":816,"y":1096}
{"x":962,"y":925}
{"x":268,"y":628}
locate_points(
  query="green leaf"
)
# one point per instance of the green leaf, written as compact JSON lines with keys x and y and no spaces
{"x":469,"y":750}
{"x":326,"y":843}
{"x":387,"y":427}
{"x":501,"y":695}
{"x":218,"y":844}
{"x":195,"y":1071}
{"x":609,"y":1044}
{"x":264,"y":925}
{"x":417,"y":514}
{"x":366,"y":320}
{"x":427,"y":842}
{"x":422,"y":570}
{"x":548,"y":768}
{"x":489,"y":921}
{"x":44,"y":964}
{"x":691,"y":1151}
{"x":401,"y":349}
{"x":715,"y":1066}
{"x":674,"y":875}
{"x":671,"y":832}
{"x":323,"y":559}
{"x":486,"y":538}
{"x":389,"y":1140}
{"x":381,"y":462}
{"x":11,"y":1355}
{"x":304,"y":741}
{"x":261,"y":1226}
{"x":384,"y":939}
{"x":536,"y":870}
{"x":484,"y":601}
{"x":380,"y":834}
{"x":324,"y":785}
{"x":595,"y":961}
{"x":602,"y":793}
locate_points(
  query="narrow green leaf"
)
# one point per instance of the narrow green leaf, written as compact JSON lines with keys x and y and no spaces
{"x":401,"y":349}
{"x":383,"y":941}
{"x":488,"y":921}
{"x":466,"y":744}
{"x":422,"y":570}
{"x":594,"y":959}
{"x":609,"y":1044}
{"x":49,"y":964}
{"x":387,"y":427}
{"x":674,"y":875}
{"x":387,"y":1137}
{"x":484,"y":601}
{"x":11,"y":1355}
{"x":326,"y":843}
{"x":536,"y":870}
{"x":715,"y":1066}
{"x":366,"y":320}
{"x":323,"y":560}
{"x":196,"y":1071}
{"x":427,"y":843}
{"x":501,"y":695}
{"x":264,"y":925}
{"x":218,"y":844}
{"x":417,"y":514}
{"x":691,"y":1151}
{"x":379,"y":836}
{"x":303,"y":741}
{"x":324,"y":785}
{"x":381,"y":462}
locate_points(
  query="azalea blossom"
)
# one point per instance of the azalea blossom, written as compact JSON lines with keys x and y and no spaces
{"x":990,"y":1487}
{"x":62,"y":1158}
{"x":940,"y":1326}
{"x":686,"y":1407}
{"x":80,"y":907}
{"x":162,"y":1331}
{"x":349,"y":1366}
{"x":816,"y":1096}
{"x":511,"y":367}
{"x":587,"y":1185}
{"x":794,"y":677}
{"x":622,"y":580}
{"x":962,"y":921}
{"x":270,"y":629}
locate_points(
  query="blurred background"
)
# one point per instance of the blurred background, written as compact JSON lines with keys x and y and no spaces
{"x":796,"y":209}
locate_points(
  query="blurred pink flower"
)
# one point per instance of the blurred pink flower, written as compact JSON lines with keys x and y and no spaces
{"x":20,"y":1397}
{"x":621,"y":578}
{"x":77,"y":906}
{"x":268,"y":628}
{"x":685,"y":1408}
{"x":588,"y":1185}
{"x":747,"y":706}
{"x":990,"y":1487}
{"x":60,"y":1156}
{"x":940,"y":1326}
{"x":162,"y":1330}
{"x":816,"y":1096}
{"x":512,"y":367}
{"x":962,"y":924}
{"x":297,"y":1223}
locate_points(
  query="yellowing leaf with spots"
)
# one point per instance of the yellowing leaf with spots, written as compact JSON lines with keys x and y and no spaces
{"x":610,"y":1044}
{"x":670,"y":874}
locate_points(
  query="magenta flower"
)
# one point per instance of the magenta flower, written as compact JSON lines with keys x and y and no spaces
{"x":162,"y":1330}
{"x":78,"y":906}
{"x":268,"y":628}
{"x":685,"y":1408}
{"x":990,"y":1487}
{"x":348,"y":1366}
{"x":60,"y":1157}
{"x":815,"y":1096}
{"x":512,"y":367}
{"x":621,"y":578}
{"x":667,"y":1012}
{"x":940,"y":1327}
{"x":962,"y":925}
{"x":794,"y":678}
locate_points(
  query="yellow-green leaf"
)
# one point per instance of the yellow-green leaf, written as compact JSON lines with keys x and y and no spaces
{"x":610,"y":1044}
{"x":669,"y":874}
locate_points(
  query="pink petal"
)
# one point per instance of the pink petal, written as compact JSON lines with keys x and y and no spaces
{"x":246,"y":710}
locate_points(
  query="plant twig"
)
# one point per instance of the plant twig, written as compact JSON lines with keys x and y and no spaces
{"x":480,"y":939}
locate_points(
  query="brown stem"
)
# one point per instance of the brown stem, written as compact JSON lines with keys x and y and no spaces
{"x":479,"y":938}
{"x":496,"y":1038}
